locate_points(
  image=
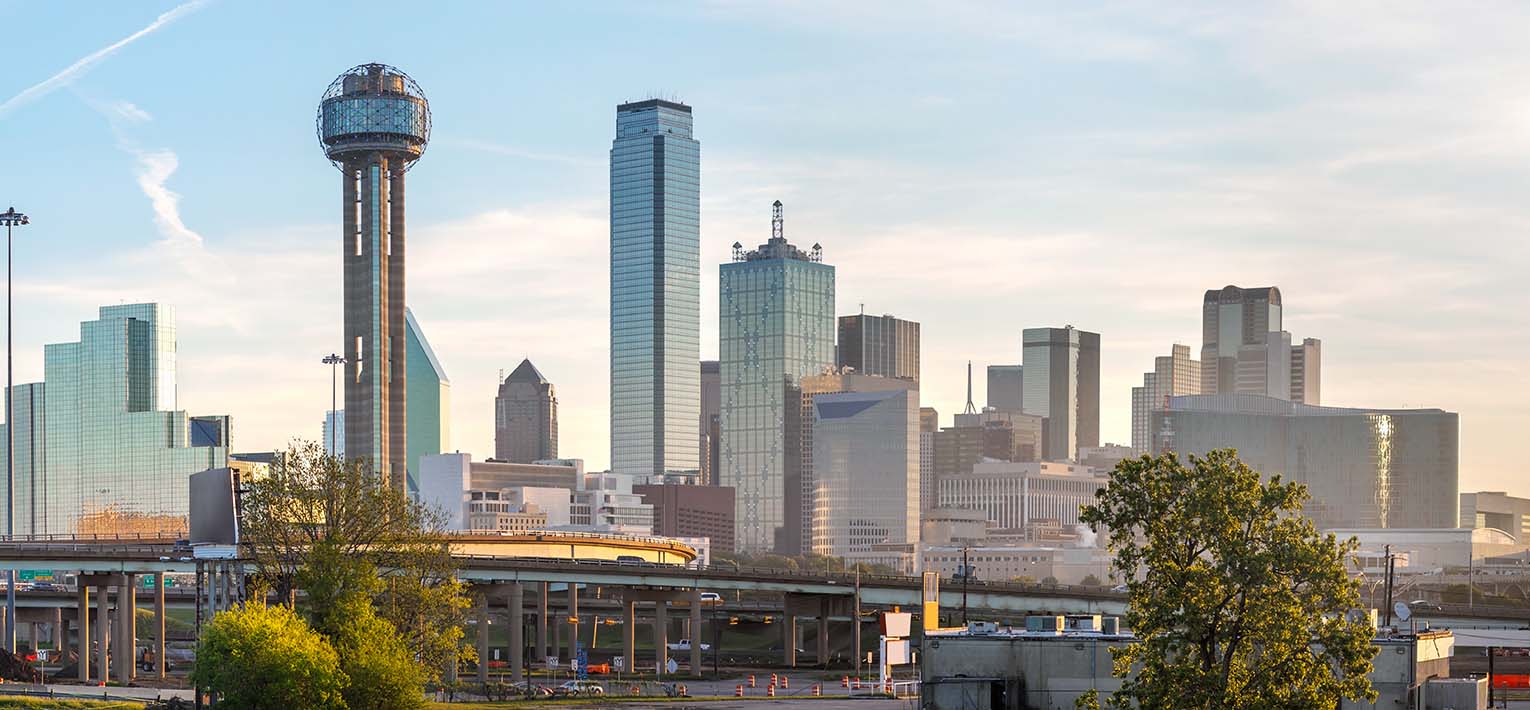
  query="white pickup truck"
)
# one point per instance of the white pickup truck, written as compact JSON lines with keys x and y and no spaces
{"x":685,"y":645}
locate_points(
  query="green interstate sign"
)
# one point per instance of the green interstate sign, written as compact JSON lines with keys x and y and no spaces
{"x":34,"y":575}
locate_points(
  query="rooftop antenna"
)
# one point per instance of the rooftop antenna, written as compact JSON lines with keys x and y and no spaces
{"x":777,"y":230}
{"x":970,"y":409}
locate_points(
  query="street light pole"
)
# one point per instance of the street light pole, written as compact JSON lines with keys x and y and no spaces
{"x":334,"y":360}
{"x":11,"y":218}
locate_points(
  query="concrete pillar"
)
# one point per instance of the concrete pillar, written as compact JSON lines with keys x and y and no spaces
{"x":103,"y":641}
{"x":573,"y":613}
{"x":660,"y":636}
{"x":855,"y":627}
{"x":517,"y":633}
{"x":542,"y":624}
{"x":82,"y":644}
{"x":130,"y":629}
{"x":483,"y":639}
{"x":159,"y":625}
{"x":823,"y":635}
{"x":60,"y":632}
{"x":629,"y":632}
{"x":696,"y":631}
{"x":124,"y":652}
{"x":789,"y":639}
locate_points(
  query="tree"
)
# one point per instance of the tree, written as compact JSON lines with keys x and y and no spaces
{"x":1090,"y":581}
{"x":383,"y":674}
{"x":1235,"y":600}
{"x":333,"y":528}
{"x":266,"y":658}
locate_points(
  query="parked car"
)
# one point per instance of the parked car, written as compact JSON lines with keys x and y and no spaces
{"x":711,"y":598}
{"x":685,"y":645}
{"x":1423,"y":605}
{"x":580,"y":687}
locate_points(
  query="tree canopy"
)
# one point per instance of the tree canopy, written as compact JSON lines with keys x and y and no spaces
{"x":266,"y":658}
{"x":1236,"y":602}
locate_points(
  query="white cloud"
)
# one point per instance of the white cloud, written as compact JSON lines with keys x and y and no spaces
{"x":77,"y":69}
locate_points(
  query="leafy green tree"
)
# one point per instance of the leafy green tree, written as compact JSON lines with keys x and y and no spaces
{"x":383,"y":674}
{"x":266,"y":658}
{"x":1235,"y":600}
{"x":1090,"y":581}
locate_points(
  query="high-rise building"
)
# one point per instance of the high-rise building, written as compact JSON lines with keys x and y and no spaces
{"x":865,"y":475}
{"x":1307,"y":371}
{"x":101,"y":447}
{"x":374,"y":123}
{"x":1006,"y":387}
{"x":1243,"y":350}
{"x":526,"y":417}
{"x":1364,"y":468}
{"x":681,"y":510}
{"x":429,"y":403}
{"x":802,"y":485}
{"x":655,"y":289}
{"x":879,"y":345}
{"x":929,"y":423}
{"x":334,"y":432}
{"x":1173,"y":375}
{"x":711,"y":422}
{"x":776,"y":327}
{"x":1497,"y":510}
{"x":1062,"y":385}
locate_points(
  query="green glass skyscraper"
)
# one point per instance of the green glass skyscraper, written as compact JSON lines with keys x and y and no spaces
{"x":101,"y":447}
{"x":429,"y":402}
{"x":776,"y":326}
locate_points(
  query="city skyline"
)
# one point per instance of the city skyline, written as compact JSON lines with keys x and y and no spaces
{"x":171,"y":210}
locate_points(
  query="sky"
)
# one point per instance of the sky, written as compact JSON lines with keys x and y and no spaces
{"x":977,"y":167}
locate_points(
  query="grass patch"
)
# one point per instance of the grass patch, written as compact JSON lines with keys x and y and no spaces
{"x":15,"y":703}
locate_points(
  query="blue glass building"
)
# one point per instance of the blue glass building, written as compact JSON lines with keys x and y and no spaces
{"x":776,"y":327}
{"x":655,"y":289}
{"x":101,"y":447}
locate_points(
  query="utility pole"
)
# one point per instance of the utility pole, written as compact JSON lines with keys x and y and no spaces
{"x":10,"y":218}
{"x":966,"y":568}
{"x":1388,"y":609}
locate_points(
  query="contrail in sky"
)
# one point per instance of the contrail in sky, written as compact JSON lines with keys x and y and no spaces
{"x":74,"y":70}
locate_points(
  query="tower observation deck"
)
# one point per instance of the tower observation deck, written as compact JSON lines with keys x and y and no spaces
{"x":373,"y":123}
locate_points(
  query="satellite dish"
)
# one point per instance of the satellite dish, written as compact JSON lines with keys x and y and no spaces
{"x":1403,"y":612}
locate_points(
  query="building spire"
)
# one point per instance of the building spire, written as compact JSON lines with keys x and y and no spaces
{"x":777,"y":222}
{"x":970,"y":409}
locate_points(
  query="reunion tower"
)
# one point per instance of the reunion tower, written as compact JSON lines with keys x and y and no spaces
{"x":374,"y":123}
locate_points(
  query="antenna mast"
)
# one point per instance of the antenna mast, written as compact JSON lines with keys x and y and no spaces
{"x":777,"y":230}
{"x":970,"y":409}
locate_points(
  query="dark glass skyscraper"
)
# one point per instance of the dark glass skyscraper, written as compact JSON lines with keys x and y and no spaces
{"x":776,"y":327}
{"x":1062,"y":384}
{"x":655,"y":289}
{"x":880,"y":345}
{"x":374,"y":123}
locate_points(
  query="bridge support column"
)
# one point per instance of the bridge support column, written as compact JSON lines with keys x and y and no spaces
{"x":789,"y":637}
{"x":483,"y":639}
{"x":103,"y":640}
{"x":126,"y":647}
{"x":573,"y":622}
{"x":542,"y":624}
{"x":159,"y":625}
{"x":517,"y":633}
{"x":823,"y":633}
{"x":660,"y":636}
{"x":82,"y":633}
{"x":629,"y":632}
{"x":60,"y":632}
{"x":695,"y":634}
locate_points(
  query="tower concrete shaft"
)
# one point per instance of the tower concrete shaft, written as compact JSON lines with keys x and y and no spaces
{"x":375,"y":425}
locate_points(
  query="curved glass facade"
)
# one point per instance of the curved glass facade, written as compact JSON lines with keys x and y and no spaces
{"x":346,"y":115}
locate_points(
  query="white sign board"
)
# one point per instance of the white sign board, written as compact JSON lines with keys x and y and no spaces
{"x":897,"y":652}
{"x":619,"y":663}
{"x":552,"y":662}
{"x":671,"y":666}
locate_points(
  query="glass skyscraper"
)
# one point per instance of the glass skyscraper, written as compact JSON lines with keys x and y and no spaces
{"x":776,"y":327}
{"x":1061,"y":383}
{"x":655,"y":289}
{"x":428,"y":402}
{"x":101,"y":447}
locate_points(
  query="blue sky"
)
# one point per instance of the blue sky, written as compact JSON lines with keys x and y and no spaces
{"x":978,"y":167}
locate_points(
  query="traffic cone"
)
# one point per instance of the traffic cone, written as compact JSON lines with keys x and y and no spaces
{"x":817,"y":690}
{"x":774,"y":679}
{"x":738,"y":691}
{"x":785,"y":683}
{"x":855,"y":684}
{"x":683,"y":692}
{"x":770,"y":691}
{"x":751,"y":680}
